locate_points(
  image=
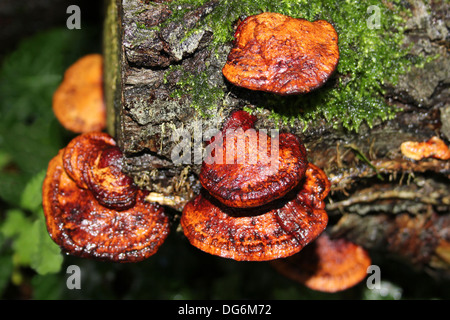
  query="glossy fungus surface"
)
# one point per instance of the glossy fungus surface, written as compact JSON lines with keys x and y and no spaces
{"x":249,"y":168}
{"x":109,"y":185}
{"x":78,"y":102}
{"x":278,"y":229}
{"x":95,"y":211}
{"x":276,"y":53}
{"x":328,"y":265}
{"x":239,"y":119}
{"x":432,"y":148}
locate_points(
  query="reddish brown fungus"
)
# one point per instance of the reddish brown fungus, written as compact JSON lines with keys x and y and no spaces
{"x":249,"y":168}
{"x":78,"y":153}
{"x":252,"y":209}
{"x":239,"y":119}
{"x":109,"y":185}
{"x":93,"y":210}
{"x":78,"y":102}
{"x":246,"y":183}
{"x":278,"y":229}
{"x":328,"y":265}
{"x":434,"y":147}
{"x":283,"y":55}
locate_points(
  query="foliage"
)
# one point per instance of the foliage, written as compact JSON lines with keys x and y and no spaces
{"x":29,"y":137}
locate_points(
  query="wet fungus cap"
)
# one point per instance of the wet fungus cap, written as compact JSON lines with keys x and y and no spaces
{"x":239,"y":119}
{"x":276,"y":230}
{"x":433,"y":147}
{"x":94,"y":162}
{"x":248,"y":168}
{"x":276,"y":53}
{"x":78,"y":102}
{"x":328,"y":265}
{"x":122,"y":227}
{"x":251,"y":171}
{"x":78,"y":152}
{"x":252,"y":210}
{"x":109,"y":185}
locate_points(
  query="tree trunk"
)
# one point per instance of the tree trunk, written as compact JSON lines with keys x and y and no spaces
{"x":380,"y":199}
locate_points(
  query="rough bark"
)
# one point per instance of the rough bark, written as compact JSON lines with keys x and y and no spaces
{"x":379,"y":199}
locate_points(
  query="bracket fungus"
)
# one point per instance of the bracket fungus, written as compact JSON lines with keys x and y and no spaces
{"x":248,"y":168}
{"x":328,"y":265}
{"x":433,"y":147}
{"x":283,"y":55}
{"x":78,"y":102}
{"x":94,"y":210}
{"x":248,"y":212}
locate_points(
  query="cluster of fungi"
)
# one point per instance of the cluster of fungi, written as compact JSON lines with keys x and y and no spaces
{"x":94,"y":210}
{"x":268,"y":207}
{"x":256,"y":211}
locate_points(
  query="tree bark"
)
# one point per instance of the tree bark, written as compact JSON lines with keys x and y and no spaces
{"x":379,"y":199}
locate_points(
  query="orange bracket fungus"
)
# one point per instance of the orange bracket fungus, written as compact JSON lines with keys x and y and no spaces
{"x":78,"y":102}
{"x":434,"y":147}
{"x":283,"y":55}
{"x":328,"y":265}
{"x":93,"y":210}
{"x":250,"y":212}
{"x":236,"y":184}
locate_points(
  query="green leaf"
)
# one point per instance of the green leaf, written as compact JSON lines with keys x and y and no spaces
{"x":48,"y":286}
{"x":14,"y":222}
{"x":46,"y":256}
{"x":32,"y":244}
{"x":5,"y":158}
{"x":32,"y":194}
{"x":17,"y":226}
{"x":11,"y":186}
{"x":7,"y":268}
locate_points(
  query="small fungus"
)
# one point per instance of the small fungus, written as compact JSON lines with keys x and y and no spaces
{"x":283,"y":55}
{"x":328,"y":265}
{"x":94,"y":210}
{"x":78,"y":102}
{"x":434,"y":147}
{"x":250,"y":211}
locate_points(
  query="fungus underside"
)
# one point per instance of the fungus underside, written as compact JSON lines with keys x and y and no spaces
{"x":370,"y":57}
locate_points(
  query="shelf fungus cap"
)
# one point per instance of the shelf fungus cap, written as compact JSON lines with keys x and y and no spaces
{"x":328,"y":265}
{"x":250,"y":168}
{"x":78,"y":102}
{"x":433,"y":147}
{"x":283,"y":55}
{"x":109,"y":221}
{"x":276,"y":230}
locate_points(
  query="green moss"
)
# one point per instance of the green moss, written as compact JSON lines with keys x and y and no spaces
{"x":203,"y":95}
{"x":369,"y":58}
